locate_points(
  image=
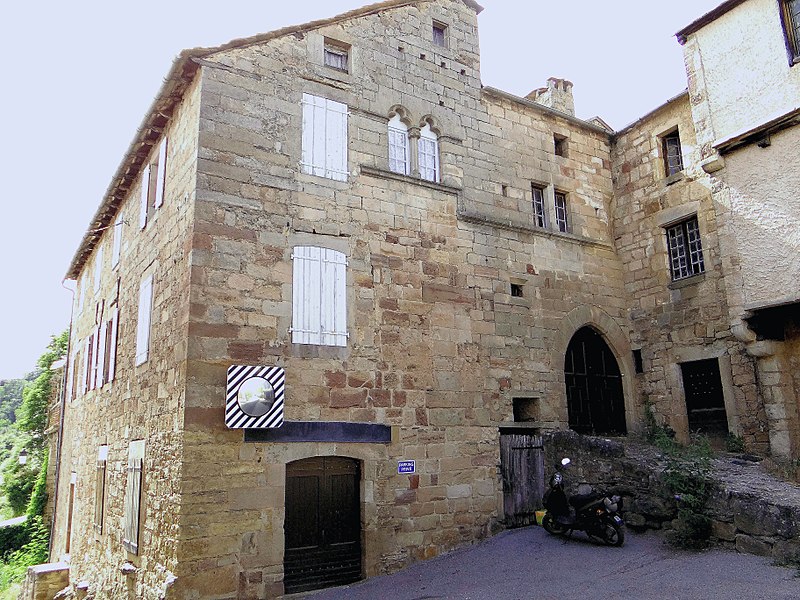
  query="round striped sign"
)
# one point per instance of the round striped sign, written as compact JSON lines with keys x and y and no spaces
{"x":254,"y":397}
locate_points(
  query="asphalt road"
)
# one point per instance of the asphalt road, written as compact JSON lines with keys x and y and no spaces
{"x":528,"y":564}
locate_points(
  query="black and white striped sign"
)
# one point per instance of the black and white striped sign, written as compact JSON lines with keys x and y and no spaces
{"x":254,"y":397}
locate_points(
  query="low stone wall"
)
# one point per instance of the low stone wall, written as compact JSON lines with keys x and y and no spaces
{"x":751,"y":511}
{"x":43,"y":582}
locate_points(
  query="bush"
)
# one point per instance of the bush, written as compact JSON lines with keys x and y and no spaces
{"x":38,"y":500}
{"x":12,"y":538}
{"x":33,"y":552}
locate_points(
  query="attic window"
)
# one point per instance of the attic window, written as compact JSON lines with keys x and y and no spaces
{"x":560,"y":145}
{"x":336,"y":55}
{"x":439,"y":34}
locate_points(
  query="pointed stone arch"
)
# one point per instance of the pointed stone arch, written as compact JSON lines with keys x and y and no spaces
{"x":615,"y":338}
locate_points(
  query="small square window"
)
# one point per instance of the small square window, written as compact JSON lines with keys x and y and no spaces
{"x":673,"y":156}
{"x":336,"y":56}
{"x":525,"y":410}
{"x":562,"y":222}
{"x":516,"y":290}
{"x":637,"y":361}
{"x":560,"y":145}
{"x":439,"y":34}
{"x":685,"y":249}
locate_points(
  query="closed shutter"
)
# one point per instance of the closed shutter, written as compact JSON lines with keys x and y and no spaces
{"x":85,"y":367}
{"x":319,"y":302}
{"x":324,"y":138}
{"x":143,"y":322}
{"x":145,"y":196}
{"x":117,"y":245}
{"x":112,"y":345}
{"x":161,"y":173}
{"x":133,"y":496}
{"x":101,"y":354}
{"x":100,"y":488}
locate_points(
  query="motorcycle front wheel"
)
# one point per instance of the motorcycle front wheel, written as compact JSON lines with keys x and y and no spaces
{"x":551,"y":526}
{"x":613,"y":534}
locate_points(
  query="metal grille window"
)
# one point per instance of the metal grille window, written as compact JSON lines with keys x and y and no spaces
{"x":539,"y":217}
{"x":319,"y":296}
{"x":100,"y":488}
{"x":324,"y":138}
{"x":673,"y":157}
{"x":685,"y":249}
{"x":133,"y":497}
{"x":562,"y":222}
{"x":791,"y":27}
{"x":398,"y":146}
{"x":428,"y":154}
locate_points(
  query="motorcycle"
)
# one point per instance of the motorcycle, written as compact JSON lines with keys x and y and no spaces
{"x":596,"y":514}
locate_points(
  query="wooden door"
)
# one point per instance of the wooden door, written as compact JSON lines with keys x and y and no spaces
{"x":705,"y":404}
{"x":522,"y":469}
{"x":323,"y":524}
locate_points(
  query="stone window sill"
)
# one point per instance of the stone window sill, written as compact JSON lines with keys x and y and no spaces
{"x":384,"y":174}
{"x":687,"y":281}
{"x":674,"y":178}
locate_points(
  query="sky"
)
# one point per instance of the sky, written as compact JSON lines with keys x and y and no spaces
{"x":78,"y":77}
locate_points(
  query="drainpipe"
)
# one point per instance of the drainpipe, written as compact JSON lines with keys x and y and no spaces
{"x":63,"y":402}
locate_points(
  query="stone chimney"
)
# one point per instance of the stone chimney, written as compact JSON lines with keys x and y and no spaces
{"x":557,"y":95}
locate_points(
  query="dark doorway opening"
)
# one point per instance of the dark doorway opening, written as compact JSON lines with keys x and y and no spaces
{"x":595,"y":401}
{"x":323,"y":524}
{"x":705,"y":403}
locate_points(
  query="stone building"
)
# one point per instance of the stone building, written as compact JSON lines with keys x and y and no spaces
{"x":430,"y":268}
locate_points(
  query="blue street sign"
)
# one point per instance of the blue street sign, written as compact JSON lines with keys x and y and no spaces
{"x":406,"y":467}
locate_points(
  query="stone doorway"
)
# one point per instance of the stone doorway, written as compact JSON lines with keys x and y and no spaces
{"x":323,"y":523}
{"x":595,"y":400}
{"x":705,"y":403}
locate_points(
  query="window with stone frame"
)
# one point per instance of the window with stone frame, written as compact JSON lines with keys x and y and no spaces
{"x":428,"y":154}
{"x":561,"y":210}
{"x":439,"y":34}
{"x":685,"y":249}
{"x":672,"y":153}
{"x":336,"y":55}
{"x":790,"y":17}
{"x":539,"y":212}
{"x":399,"y":158}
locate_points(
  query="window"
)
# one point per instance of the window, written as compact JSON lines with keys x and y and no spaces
{"x":319,"y":296}
{"x":110,"y":347}
{"x":336,"y":55}
{"x":685,"y":249}
{"x":637,"y":361}
{"x":428,"y":154}
{"x":398,"y":146}
{"x":790,"y":16}
{"x":539,"y":217}
{"x":560,"y":145}
{"x":152,"y":192}
{"x":82,"y":296}
{"x":143,"y":322}
{"x":116,"y":246}
{"x":98,"y":269}
{"x":100,"y":488}
{"x":561,"y":212}
{"x":324,"y":138}
{"x":673,"y":159}
{"x":516,"y":290}
{"x":133,"y":497}
{"x":439,"y":34}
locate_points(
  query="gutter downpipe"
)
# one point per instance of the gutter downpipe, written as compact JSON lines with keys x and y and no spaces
{"x":63,"y":402}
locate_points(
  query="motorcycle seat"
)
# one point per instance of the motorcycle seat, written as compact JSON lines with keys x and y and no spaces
{"x":583,"y":499}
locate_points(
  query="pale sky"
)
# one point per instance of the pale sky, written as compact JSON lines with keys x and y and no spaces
{"x":78,"y":77}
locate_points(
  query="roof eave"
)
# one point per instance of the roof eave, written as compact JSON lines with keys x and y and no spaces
{"x":707,"y":18}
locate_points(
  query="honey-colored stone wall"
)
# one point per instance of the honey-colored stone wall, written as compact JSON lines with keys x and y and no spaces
{"x":686,"y":320}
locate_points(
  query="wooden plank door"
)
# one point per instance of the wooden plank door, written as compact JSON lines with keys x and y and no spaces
{"x":522,"y":469}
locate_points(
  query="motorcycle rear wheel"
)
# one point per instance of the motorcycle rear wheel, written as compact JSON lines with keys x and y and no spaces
{"x":551,"y":526}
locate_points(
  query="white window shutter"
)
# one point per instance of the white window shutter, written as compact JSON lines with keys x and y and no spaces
{"x":85,"y":369}
{"x":98,"y":269}
{"x":145,"y":196}
{"x":143,"y":322}
{"x":336,"y":138}
{"x":319,"y":305}
{"x":117,"y":245}
{"x":334,"y":299}
{"x":101,"y":355}
{"x":112,"y":353}
{"x":161,"y":173}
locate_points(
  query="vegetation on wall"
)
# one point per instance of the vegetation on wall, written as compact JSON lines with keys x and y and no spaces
{"x":23,"y":420}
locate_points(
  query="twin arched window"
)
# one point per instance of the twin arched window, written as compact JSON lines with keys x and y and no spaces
{"x":401,"y":149}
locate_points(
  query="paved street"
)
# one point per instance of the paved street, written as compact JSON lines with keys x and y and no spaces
{"x":530,"y":564}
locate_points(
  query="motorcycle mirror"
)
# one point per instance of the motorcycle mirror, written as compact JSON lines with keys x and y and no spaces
{"x":565,"y":461}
